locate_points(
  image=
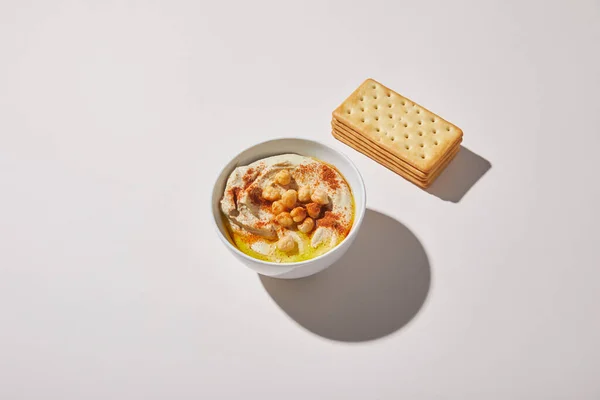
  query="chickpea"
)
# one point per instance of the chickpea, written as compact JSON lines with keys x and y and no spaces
{"x":277,"y":207}
{"x":283,"y":177}
{"x":284,"y":219}
{"x":319,"y":196}
{"x":298,"y":214}
{"x":314,"y":210}
{"x":289,"y":198}
{"x":307,"y":225}
{"x":271,"y":194}
{"x":286,"y":243}
{"x":304,"y":194}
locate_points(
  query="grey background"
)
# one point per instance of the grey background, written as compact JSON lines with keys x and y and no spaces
{"x":115,"y":118}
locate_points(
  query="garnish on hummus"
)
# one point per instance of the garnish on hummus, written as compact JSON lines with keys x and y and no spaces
{"x":287,"y":208}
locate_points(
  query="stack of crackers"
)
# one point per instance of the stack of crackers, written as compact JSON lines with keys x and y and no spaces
{"x":396,"y":132}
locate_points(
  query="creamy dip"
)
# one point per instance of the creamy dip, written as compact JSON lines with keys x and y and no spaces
{"x":287,"y":208}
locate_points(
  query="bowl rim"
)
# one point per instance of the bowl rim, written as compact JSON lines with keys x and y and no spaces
{"x":358,"y":217}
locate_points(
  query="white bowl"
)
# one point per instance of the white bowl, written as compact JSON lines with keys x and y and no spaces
{"x":306,"y":148}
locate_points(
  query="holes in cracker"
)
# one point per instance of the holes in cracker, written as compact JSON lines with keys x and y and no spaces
{"x":406,"y":135}
{"x":378,"y":128}
{"x":389,"y":95}
{"x":349,"y":112}
{"x":362,"y":109}
{"x":362,"y":98}
{"x":407,"y":147}
{"x":390,"y":105}
{"x":432,"y":119}
{"x":423,"y":156}
{"x":390,"y":116}
{"x":393,"y":138}
{"x":373,"y":87}
{"x":448,"y":128}
{"x":362,"y":120}
{"x":403,"y":102}
{"x":418,"y":111}
{"x":420,"y":133}
{"x":421,"y":144}
{"x":434,"y":131}
{"x":375,"y":97}
{"x":436,"y":143}
{"x":377,"y":118}
{"x":420,"y":122}
{"x":405,"y":125}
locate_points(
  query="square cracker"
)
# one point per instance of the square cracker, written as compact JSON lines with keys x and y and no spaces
{"x":377,"y":144}
{"x":384,"y":158}
{"x":393,"y":168}
{"x":390,"y":162}
{"x":386,"y":117}
{"x":384,"y":152}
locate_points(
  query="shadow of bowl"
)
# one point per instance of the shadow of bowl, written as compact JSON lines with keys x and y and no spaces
{"x":377,"y":287}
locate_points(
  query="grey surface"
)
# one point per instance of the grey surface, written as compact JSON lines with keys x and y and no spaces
{"x":115,"y":118}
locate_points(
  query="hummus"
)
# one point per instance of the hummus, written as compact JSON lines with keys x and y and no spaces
{"x":287,"y":208}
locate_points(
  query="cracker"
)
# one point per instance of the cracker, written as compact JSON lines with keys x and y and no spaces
{"x":379,"y":149}
{"x":362,"y":147}
{"x":385,"y":160}
{"x":383,"y":149}
{"x":412,"y":179}
{"x":401,"y":172}
{"x":395,"y":121}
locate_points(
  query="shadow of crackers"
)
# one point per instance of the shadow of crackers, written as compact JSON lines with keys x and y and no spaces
{"x":460,"y":176}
